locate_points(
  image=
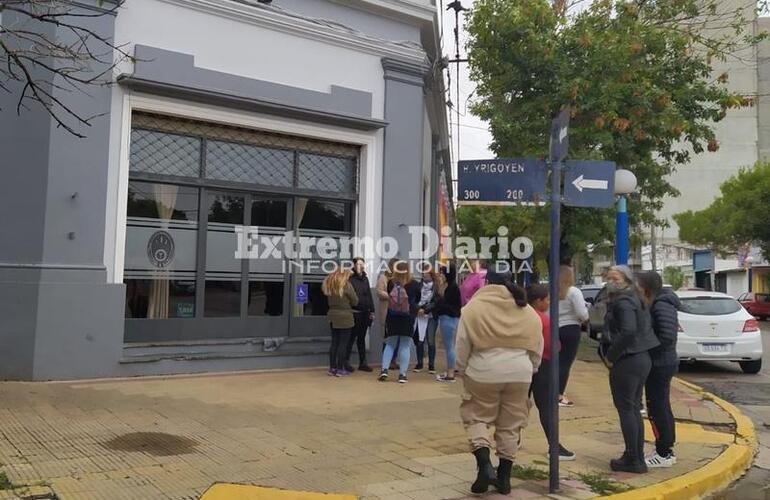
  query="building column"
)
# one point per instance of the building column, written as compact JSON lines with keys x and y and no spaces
{"x":403,"y":151}
{"x":59,"y":317}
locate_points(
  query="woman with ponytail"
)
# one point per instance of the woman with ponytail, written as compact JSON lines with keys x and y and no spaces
{"x":499,"y":347}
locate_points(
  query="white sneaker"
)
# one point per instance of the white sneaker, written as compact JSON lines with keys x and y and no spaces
{"x":653,"y":460}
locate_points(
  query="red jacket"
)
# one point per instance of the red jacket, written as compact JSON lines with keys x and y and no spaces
{"x":546,"y":320}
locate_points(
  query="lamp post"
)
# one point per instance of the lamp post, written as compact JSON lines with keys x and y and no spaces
{"x":625,"y":183}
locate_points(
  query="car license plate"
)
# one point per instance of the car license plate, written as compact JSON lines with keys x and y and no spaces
{"x":715,"y":348}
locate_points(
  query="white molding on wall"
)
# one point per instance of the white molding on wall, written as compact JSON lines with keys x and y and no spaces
{"x":370,"y":195}
{"x":303,"y":27}
{"x":121,"y":196}
{"x":398,"y":9}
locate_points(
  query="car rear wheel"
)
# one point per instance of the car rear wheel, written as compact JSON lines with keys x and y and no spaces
{"x":751,"y":367}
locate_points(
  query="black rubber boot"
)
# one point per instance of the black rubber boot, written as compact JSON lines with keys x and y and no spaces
{"x":486,"y":474}
{"x":503,"y":484}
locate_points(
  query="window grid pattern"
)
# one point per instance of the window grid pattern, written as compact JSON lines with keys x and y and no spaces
{"x":231,"y":161}
{"x":174,"y":146}
{"x":327,"y":173}
{"x":163,"y":153}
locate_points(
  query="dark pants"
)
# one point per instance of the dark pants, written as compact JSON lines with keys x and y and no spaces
{"x":569,"y":336}
{"x":339,"y":347}
{"x":627,"y":378}
{"x":539,"y":392}
{"x":658,"y":392}
{"x":358,"y":337}
{"x":430,"y":338}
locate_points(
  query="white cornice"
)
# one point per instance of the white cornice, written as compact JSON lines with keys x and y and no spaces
{"x":405,"y":9}
{"x":287,"y":22}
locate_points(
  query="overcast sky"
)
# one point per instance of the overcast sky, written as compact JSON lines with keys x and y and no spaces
{"x":474,"y":135}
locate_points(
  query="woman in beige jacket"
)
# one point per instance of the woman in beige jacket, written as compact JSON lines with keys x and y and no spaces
{"x":499,"y":347}
{"x":382,"y":293}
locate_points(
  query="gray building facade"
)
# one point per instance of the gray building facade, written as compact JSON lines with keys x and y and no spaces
{"x":309,"y":117}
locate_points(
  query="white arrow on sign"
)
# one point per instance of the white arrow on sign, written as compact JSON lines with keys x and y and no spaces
{"x":580,"y":183}
{"x":562,"y":134}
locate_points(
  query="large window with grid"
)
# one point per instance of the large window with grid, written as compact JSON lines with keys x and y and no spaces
{"x":190,"y":184}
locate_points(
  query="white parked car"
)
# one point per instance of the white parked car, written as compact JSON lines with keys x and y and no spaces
{"x":715,"y":327}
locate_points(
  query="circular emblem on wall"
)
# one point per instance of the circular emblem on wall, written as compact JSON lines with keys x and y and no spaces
{"x":160,"y":249}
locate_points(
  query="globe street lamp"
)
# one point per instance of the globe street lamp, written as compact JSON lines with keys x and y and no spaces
{"x":625,"y":183}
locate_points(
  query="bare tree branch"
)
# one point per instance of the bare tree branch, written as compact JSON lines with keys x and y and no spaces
{"x":48,"y":49}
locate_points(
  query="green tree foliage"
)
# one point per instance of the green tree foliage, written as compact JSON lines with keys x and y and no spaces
{"x":737,"y":217}
{"x":638,"y":75}
{"x":673,"y":276}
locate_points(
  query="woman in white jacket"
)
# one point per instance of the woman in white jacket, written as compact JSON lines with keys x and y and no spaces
{"x":572,"y":313}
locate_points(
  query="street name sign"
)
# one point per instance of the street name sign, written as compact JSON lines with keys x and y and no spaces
{"x":589,"y":183}
{"x":512,"y":181}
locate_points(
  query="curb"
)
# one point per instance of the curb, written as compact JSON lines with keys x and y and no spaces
{"x":235,"y":491}
{"x":715,"y":475}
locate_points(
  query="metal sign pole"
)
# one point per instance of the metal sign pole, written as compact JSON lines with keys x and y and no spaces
{"x":558,"y":149}
{"x":553,"y":278}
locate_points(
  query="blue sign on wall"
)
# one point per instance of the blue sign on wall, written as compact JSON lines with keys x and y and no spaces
{"x":589,"y":183}
{"x":302,"y":293}
{"x":513,"y":181}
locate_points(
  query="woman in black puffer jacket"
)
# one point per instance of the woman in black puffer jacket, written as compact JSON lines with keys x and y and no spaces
{"x":665,"y":363}
{"x":626,"y":341}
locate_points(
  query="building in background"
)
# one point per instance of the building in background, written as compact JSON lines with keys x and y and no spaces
{"x":325,"y":118}
{"x":744,"y":138}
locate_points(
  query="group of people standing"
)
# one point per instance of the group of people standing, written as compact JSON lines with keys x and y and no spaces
{"x":638,"y":346}
{"x":409,"y":311}
{"x":497,"y":336}
{"x":504,"y":352}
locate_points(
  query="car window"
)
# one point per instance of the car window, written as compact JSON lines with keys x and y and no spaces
{"x":709,"y":306}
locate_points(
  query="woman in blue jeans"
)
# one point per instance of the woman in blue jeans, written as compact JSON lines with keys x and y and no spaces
{"x":448,"y":311}
{"x":403,"y":297}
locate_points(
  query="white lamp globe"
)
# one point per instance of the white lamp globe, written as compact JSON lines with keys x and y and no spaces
{"x":625,"y":181}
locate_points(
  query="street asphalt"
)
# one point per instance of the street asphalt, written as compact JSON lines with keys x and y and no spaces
{"x":751,"y":393}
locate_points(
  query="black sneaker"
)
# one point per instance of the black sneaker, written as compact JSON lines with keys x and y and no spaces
{"x":383,"y":376}
{"x":349,"y":368}
{"x":417,"y":369}
{"x":402,"y":379}
{"x":365,"y":368}
{"x":565,"y":455}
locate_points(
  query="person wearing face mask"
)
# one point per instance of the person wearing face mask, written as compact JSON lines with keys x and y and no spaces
{"x":627,"y":338}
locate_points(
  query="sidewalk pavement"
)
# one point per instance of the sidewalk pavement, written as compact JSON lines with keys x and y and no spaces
{"x":174,"y":437}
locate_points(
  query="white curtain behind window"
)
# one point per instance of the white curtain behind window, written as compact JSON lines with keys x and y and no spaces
{"x":165,"y":201}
